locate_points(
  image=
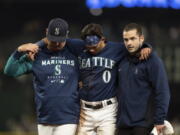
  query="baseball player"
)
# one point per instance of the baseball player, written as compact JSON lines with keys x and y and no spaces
{"x":144,"y":92}
{"x":56,"y":74}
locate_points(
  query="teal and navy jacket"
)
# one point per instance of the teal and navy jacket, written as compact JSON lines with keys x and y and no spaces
{"x":56,"y":76}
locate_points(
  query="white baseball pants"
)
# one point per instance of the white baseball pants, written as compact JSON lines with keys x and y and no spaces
{"x":100,"y":121}
{"x":66,"y":129}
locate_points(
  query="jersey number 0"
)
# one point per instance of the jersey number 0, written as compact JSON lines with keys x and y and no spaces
{"x":106,"y":76}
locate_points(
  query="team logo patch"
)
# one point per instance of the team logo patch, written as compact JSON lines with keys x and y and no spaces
{"x":136,"y":71}
{"x":56,"y":31}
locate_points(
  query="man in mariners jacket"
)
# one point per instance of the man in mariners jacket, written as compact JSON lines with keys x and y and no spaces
{"x":143,"y":88}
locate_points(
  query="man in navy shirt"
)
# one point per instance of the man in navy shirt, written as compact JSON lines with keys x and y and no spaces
{"x":56,"y":75}
{"x":143,"y":88}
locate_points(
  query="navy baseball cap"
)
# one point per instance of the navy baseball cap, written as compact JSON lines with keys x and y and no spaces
{"x":57,"y":30}
{"x":92,"y":40}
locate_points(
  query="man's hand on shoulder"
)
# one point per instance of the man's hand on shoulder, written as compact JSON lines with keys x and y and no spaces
{"x":145,"y":53}
{"x":30,"y":48}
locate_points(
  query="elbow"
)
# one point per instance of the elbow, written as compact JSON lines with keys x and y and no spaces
{"x":8,"y":72}
{"x":168,"y":95}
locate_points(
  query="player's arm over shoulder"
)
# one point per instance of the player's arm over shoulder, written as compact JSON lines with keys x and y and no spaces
{"x":119,"y":46}
{"x":76,"y":46}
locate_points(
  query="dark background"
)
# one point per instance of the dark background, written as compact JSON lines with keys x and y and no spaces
{"x":23,"y":21}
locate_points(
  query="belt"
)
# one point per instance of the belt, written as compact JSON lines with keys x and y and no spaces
{"x":99,"y":105}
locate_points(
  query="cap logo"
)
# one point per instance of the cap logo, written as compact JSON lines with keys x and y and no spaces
{"x":56,"y":31}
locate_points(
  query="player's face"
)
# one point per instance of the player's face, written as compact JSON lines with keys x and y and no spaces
{"x":94,"y":49}
{"x":55,"y":46}
{"x":132,"y":40}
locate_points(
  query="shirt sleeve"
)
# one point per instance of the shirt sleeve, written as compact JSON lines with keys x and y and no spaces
{"x":17,"y":64}
{"x":146,"y":45}
{"x":40,"y":43}
{"x":76,"y":46}
{"x":159,"y":81}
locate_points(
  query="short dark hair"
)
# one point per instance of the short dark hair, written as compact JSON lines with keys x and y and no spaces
{"x":132,"y":26}
{"x":92,"y":29}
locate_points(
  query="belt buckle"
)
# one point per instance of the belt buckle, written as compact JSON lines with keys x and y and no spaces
{"x":98,"y":106}
{"x":109,"y":102}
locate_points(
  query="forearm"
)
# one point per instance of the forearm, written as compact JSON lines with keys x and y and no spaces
{"x":159,"y":83}
{"x":17,"y":64}
{"x":76,"y":46}
{"x":161,"y":106}
{"x":146,"y":45}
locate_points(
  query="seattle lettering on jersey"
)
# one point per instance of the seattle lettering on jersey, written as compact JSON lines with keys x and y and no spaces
{"x":96,"y":61}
